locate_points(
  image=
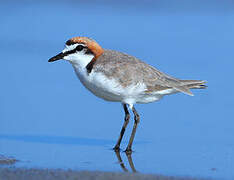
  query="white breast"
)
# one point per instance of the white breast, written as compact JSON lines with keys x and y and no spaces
{"x":108,"y":88}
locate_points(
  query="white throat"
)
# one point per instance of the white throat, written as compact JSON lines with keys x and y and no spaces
{"x":79,"y":60}
{"x":82,"y":60}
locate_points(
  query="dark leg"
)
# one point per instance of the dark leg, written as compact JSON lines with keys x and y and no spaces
{"x":136,"y":121}
{"x":126,"y":120}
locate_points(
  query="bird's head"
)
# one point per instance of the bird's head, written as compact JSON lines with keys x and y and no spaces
{"x":79,"y":50}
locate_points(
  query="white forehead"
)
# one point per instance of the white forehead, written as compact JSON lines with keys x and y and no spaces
{"x":71,"y":47}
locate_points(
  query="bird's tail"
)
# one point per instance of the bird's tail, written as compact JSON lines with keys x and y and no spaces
{"x":194,"y":84}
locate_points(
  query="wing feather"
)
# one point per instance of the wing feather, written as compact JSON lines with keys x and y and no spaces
{"x":129,"y":70}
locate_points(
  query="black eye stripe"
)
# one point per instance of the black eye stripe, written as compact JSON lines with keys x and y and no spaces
{"x":69,"y":52}
{"x":72,"y":51}
{"x":88,"y":51}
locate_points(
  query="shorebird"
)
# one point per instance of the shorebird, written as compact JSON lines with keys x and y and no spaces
{"x":119,"y":77}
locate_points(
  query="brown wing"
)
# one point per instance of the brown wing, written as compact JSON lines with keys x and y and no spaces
{"x":130,"y":70}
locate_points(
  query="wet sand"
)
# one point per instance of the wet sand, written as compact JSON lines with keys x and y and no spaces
{"x":8,"y":172}
{"x":59,"y":174}
{"x":12,"y":173}
{"x":7,"y":160}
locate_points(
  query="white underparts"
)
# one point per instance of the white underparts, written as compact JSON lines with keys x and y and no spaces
{"x":109,"y":88}
{"x":166,"y":91}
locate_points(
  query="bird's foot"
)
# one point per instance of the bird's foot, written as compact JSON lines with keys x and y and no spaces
{"x":128,"y":150}
{"x":116,"y":148}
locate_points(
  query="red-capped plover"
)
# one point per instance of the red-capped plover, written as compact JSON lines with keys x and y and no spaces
{"x":115,"y":76}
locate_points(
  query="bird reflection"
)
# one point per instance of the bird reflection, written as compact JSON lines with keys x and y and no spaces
{"x":122,"y":165}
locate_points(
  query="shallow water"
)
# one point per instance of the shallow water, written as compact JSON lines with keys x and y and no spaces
{"x":164,"y":156}
{"x":48,"y":120}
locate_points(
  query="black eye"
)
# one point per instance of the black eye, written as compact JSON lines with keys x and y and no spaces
{"x":79,"y":48}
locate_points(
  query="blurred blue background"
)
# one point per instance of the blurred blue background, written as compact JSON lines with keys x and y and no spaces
{"x":48,"y":118}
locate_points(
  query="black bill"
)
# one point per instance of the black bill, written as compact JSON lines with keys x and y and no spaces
{"x":57,"y":57}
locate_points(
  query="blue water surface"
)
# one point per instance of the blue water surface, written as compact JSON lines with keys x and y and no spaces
{"x":49,"y":120}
